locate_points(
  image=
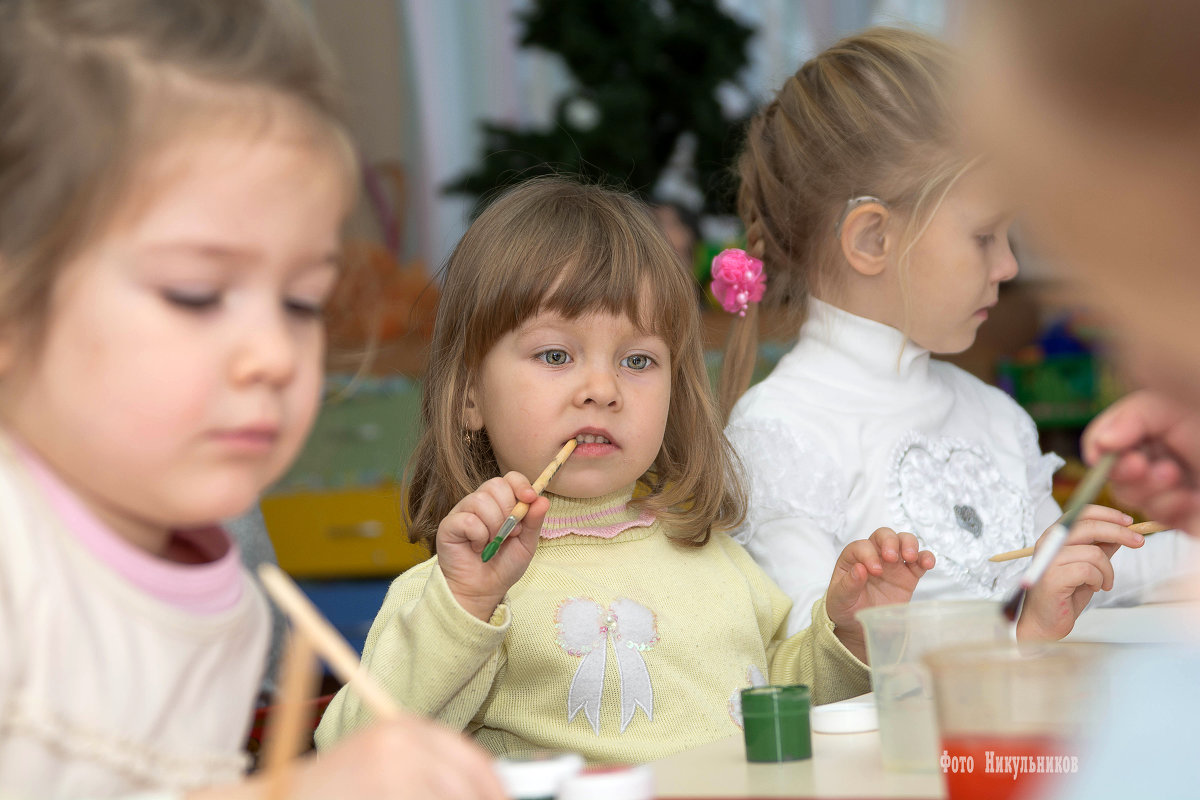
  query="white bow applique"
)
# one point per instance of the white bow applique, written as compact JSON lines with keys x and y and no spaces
{"x":584,"y":627}
{"x":754,"y":677}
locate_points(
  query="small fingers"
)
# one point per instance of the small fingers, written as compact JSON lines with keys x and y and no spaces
{"x":862,"y":552}
{"x":1104,"y":514}
{"x":1071,"y":558}
{"x":1091,"y":531}
{"x":909,"y":547}
{"x":537,"y":512}
{"x":498,"y":497}
{"x":855,"y":577}
{"x":1081,"y":574}
{"x":468,"y":527}
{"x":520,"y":487}
{"x":887,"y":544}
{"x":924,"y":562}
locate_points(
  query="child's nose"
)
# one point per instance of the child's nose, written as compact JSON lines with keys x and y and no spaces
{"x":1006,"y":266}
{"x":599,"y":387}
{"x":266,"y":352}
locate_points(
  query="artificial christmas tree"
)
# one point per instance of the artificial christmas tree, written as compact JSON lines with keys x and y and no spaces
{"x":647,"y":75}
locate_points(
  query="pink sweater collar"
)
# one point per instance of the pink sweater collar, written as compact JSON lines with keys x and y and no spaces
{"x":602,"y":517}
{"x":207,"y":588}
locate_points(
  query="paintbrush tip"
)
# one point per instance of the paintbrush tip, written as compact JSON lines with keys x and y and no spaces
{"x":490,"y":550}
{"x":1013,"y":606}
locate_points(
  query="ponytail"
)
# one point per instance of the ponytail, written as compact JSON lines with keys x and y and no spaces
{"x":737,"y":368}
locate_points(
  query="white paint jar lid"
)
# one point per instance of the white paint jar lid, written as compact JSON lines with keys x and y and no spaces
{"x":536,"y":775}
{"x":855,"y":715}
{"x":610,"y":783}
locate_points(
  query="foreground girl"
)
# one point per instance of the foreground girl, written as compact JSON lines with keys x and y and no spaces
{"x":173,"y":179}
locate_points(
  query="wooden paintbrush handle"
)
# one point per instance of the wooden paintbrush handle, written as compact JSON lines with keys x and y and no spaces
{"x":325,"y":639}
{"x":547,"y":475}
{"x":521,"y":509}
{"x":286,"y":726}
{"x":1144,"y":528}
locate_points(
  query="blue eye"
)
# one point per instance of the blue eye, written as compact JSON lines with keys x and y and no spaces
{"x":201,"y":301}
{"x":637,"y":361}
{"x":555,"y":358}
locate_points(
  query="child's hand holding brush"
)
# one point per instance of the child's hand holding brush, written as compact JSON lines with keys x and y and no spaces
{"x":1082,"y":567}
{"x":472,"y":533}
{"x":471,"y":525}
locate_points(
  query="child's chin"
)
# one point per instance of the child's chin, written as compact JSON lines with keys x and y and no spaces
{"x":586,"y":490}
{"x":953,"y":345}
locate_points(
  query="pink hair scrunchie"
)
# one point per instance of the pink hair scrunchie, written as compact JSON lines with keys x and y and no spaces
{"x":738,"y":280}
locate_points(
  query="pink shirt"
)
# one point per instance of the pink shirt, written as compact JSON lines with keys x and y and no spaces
{"x":204,"y":588}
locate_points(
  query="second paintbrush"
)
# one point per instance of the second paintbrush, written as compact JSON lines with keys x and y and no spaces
{"x":521,"y":509}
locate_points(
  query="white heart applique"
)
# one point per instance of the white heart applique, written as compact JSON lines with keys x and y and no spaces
{"x":954,"y":498}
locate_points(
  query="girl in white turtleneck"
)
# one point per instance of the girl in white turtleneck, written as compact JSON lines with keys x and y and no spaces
{"x":885,"y":247}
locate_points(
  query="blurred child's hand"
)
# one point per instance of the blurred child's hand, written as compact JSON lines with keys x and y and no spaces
{"x":1082,"y":568}
{"x":474,"y":522}
{"x":873,"y":572}
{"x":1159,"y":442}
{"x":410,"y":759}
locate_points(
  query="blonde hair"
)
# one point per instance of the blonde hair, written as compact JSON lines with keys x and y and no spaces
{"x":553,"y":245}
{"x":92,"y":89}
{"x":871,"y":115}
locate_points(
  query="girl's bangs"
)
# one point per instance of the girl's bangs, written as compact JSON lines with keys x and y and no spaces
{"x":630,"y":284}
{"x":608,"y":263}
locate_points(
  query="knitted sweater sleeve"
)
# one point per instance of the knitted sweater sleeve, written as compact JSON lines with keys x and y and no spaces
{"x":814,"y":656}
{"x":428,"y":653}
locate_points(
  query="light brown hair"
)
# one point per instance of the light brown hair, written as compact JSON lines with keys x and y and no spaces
{"x":93,"y":89}
{"x":871,"y":115}
{"x":1126,"y":63}
{"x":553,"y":245}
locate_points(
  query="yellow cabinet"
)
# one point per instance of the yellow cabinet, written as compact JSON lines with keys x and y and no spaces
{"x":354,"y":532}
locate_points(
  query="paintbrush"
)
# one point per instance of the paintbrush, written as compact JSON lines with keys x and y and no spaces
{"x":325,"y":639}
{"x":521,"y":509}
{"x":1084,"y":493}
{"x":285,"y":734}
{"x":1144,"y":528}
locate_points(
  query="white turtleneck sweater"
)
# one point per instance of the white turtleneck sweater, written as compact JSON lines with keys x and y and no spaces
{"x":857,"y":428}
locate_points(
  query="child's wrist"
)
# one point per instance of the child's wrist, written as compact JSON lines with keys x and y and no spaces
{"x":480,"y":606}
{"x":852,"y":638}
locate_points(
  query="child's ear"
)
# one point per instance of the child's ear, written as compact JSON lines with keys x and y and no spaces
{"x":866,"y":238}
{"x":472,"y":416}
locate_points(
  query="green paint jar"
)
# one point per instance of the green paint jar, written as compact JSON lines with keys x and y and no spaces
{"x":775,"y":722}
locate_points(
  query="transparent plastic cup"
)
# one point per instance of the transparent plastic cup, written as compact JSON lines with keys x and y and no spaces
{"x":1009,"y":714}
{"x":897,"y":638}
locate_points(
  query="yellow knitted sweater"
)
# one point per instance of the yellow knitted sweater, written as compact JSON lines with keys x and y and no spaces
{"x":617,"y":644}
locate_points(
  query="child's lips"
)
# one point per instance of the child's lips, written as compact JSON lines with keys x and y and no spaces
{"x":594,"y":442}
{"x":249,"y":439}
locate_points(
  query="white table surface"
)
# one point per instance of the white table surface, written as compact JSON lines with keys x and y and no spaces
{"x":1147,"y":624}
{"x":849,"y":765}
{"x":843,"y":765}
